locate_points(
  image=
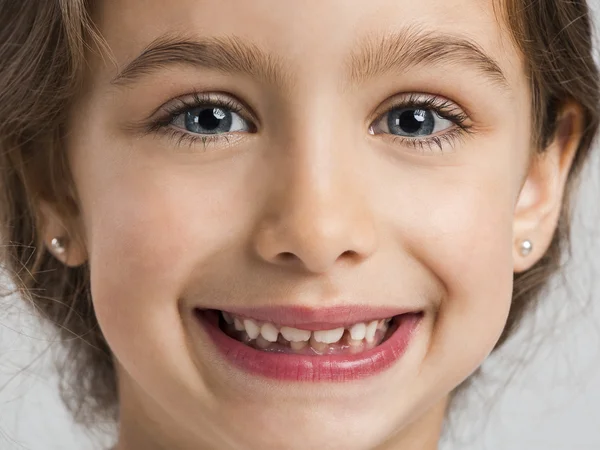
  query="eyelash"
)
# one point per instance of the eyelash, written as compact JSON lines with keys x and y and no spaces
{"x":442,"y":107}
{"x":162,"y":125}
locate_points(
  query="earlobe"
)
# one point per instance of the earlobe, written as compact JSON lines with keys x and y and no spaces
{"x":540,"y":202}
{"x":60,"y":242}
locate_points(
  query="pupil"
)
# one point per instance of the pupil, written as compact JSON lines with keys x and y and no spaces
{"x":209,"y":118}
{"x":411,"y":121}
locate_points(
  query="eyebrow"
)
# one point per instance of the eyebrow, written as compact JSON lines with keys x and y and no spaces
{"x":229,"y":54}
{"x":374,"y":56}
{"x":380,"y":54}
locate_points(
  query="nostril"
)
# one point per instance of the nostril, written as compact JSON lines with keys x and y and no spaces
{"x":349,"y":257}
{"x":287,"y":256}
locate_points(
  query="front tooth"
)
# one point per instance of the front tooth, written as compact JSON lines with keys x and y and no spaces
{"x":269,"y":332}
{"x":251,"y":328}
{"x":294,"y":334}
{"x":358,"y":331}
{"x":328,"y":336}
{"x":370,"y":333}
{"x":239,"y":326}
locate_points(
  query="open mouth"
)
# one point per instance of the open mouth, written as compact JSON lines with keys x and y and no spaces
{"x":271,"y":337}
{"x":309,"y":351}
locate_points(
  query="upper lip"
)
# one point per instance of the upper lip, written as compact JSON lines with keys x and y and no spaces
{"x":313,"y":319}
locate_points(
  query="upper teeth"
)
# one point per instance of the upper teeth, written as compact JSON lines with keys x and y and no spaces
{"x":370,"y":332}
{"x":358,"y":331}
{"x":251,"y":328}
{"x":328,"y":336}
{"x":270,"y":332}
{"x":294,"y":334}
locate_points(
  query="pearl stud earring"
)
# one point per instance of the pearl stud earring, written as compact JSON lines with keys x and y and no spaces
{"x":58,"y":245}
{"x":526,"y":247}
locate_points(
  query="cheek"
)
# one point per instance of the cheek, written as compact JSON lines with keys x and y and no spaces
{"x":466,"y":243}
{"x":147,"y":236}
{"x":137,"y":257}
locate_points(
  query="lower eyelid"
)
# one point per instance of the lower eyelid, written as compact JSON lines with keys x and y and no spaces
{"x":448,"y":136}
{"x":184,"y":138}
{"x":429,"y":144}
{"x":444,"y":142}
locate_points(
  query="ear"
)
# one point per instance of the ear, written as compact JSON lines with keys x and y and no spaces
{"x":540,"y":202}
{"x":64,"y":244}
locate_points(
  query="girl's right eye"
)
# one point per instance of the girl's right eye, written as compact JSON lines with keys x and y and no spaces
{"x":202,"y":118}
{"x":210,"y":120}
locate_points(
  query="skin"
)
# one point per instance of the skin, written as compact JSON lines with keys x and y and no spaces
{"x":364,"y":219}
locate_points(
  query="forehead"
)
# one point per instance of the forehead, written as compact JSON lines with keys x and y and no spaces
{"x":305,"y":34}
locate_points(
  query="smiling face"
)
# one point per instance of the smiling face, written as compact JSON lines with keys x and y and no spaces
{"x":312,"y":172}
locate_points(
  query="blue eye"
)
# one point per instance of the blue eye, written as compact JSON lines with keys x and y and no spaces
{"x":210,"y":120}
{"x":411,"y":122}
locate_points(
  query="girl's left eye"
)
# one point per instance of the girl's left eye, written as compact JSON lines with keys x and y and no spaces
{"x":411,"y":122}
{"x":210,"y":120}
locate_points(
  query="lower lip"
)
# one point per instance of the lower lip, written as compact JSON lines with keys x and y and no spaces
{"x":326,"y":368}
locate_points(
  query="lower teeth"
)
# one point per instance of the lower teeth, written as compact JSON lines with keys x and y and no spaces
{"x":312,"y":347}
{"x":298,"y":345}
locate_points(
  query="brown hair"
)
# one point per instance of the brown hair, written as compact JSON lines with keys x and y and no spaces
{"x":43,"y":44}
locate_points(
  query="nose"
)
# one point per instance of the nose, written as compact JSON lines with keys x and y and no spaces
{"x":317,"y":215}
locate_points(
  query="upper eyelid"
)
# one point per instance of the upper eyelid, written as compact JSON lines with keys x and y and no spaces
{"x":217,"y":95}
{"x":429,"y":101}
{"x":420,"y":99}
{"x":178,"y":105}
{"x":169,"y":108}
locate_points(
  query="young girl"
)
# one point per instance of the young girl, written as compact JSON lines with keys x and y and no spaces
{"x":287,"y":225}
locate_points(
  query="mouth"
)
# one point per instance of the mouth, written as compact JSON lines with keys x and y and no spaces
{"x":292,"y":346}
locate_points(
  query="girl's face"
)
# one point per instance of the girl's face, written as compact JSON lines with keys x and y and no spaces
{"x":303,"y":168}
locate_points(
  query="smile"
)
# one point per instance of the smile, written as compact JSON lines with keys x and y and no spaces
{"x":292,"y":346}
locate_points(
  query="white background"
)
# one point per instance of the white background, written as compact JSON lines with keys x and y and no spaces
{"x":542,"y":392}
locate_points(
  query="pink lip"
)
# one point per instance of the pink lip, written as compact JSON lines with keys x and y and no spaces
{"x":318,"y":319}
{"x":302,"y":368}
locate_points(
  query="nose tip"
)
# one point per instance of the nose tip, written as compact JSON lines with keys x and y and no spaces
{"x":316,"y":239}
